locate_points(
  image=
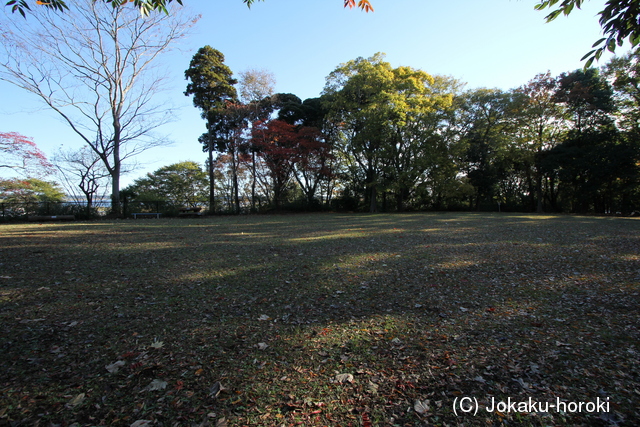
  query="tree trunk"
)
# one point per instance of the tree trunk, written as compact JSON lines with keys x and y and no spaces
{"x":539,"y":208}
{"x":253,"y":181}
{"x":373,"y":202}
{"x":212,"y":195}
{"x":115,"y":182}
{"x":234,"y":176}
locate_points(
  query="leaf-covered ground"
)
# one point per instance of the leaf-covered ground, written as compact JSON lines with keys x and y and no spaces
{"x":321,"y":320}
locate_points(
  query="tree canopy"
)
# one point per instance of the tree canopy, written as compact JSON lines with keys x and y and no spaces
{"x":21,"y":154}
{"x":31,"y":190}
{"x":182,"y":184}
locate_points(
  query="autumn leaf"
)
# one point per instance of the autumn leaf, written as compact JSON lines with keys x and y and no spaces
{"x":156,"y":344}
{"x":421,"y":407}
{"x":344,"y":378}
{"x":115,"y":366}
{"x":216,"y":389}
{"x":157,"y":385}
{"x":362,"y":4}
{"x":372,"y":388}
{"x":76,"y":401}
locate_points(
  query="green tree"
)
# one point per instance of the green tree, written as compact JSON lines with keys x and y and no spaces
{"x":598,"y":171}
{"x":486,"y":125}
{"x":540,"y":126}
{"x":180,"y":184}
{"x":226,"y":134}
{"x":386,"y":119}
{"x":212,"y":87}
{"x":593,"y":158}
{"x":624,"y":73}
{"x":30,"y":190}
{"x":356,"y":94}
{"x":420,"y":104}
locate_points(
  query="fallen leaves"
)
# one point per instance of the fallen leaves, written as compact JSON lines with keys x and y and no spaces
{"x":343,"y":378}
{"x":421,"y":407}
{"x":75,"y":401}
{"x":156,"y":344}
{"x":363,"y":328}
{"x":115,"y":366}
{"x":216,"y":389}
{"x":156,"y":385}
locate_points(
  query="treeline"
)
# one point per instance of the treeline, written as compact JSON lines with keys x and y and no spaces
{"x":393,"y":139}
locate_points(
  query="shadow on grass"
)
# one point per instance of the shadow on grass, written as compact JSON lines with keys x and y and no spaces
{"x":319,"y":319}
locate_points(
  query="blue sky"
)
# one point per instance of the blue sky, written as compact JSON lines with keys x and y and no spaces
{"x":494,"y":43}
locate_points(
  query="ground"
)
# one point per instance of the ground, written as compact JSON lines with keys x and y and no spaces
{"x":321,"y":320}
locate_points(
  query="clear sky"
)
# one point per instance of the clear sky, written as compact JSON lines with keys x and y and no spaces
{"x":484,"y":43}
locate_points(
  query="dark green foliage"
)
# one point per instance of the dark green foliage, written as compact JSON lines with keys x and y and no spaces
{"x":182,"y":184}
{"x":211,"y":81}
{"x":597,"y":170}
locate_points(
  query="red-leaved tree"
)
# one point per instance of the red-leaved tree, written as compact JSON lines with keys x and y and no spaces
{"x":19,"y":153}
{"x":291,"y":151}
{"x":314,"y":161}
{"x":275,"y":142}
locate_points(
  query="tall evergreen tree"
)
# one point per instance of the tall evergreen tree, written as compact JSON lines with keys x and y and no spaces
{"x":212,"y":87}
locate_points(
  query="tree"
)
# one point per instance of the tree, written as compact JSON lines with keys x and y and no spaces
{"x":228,"y":175}
{"x":212,"y":87}
{"x":385,"y":119}
{"x":256,"y":89}
{"x":145,"y":6}
{"x":624,"y":73}
{"x":93,"y":66}
{"x":420,"y":102}
{"x":620,"y":21}
{"x":87,"y":172}
{"x":486,"y":126}
{"x":31,"y":190}
{"x":277,"y":142}
{"x":180,"y":184}
{"x":587,"y":157}
{"x":587,"y":97}
{"x":256,"y":85}
{"x":21,"y":154}
{"x":540,"y":127}
{"x":356,"y":94}
{"x":226,"y":134}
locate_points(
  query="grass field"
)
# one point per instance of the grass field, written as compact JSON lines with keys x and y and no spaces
{"x":321,"y":320}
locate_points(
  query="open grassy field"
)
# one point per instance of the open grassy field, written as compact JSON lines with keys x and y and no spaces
{"x":321,"y":320}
